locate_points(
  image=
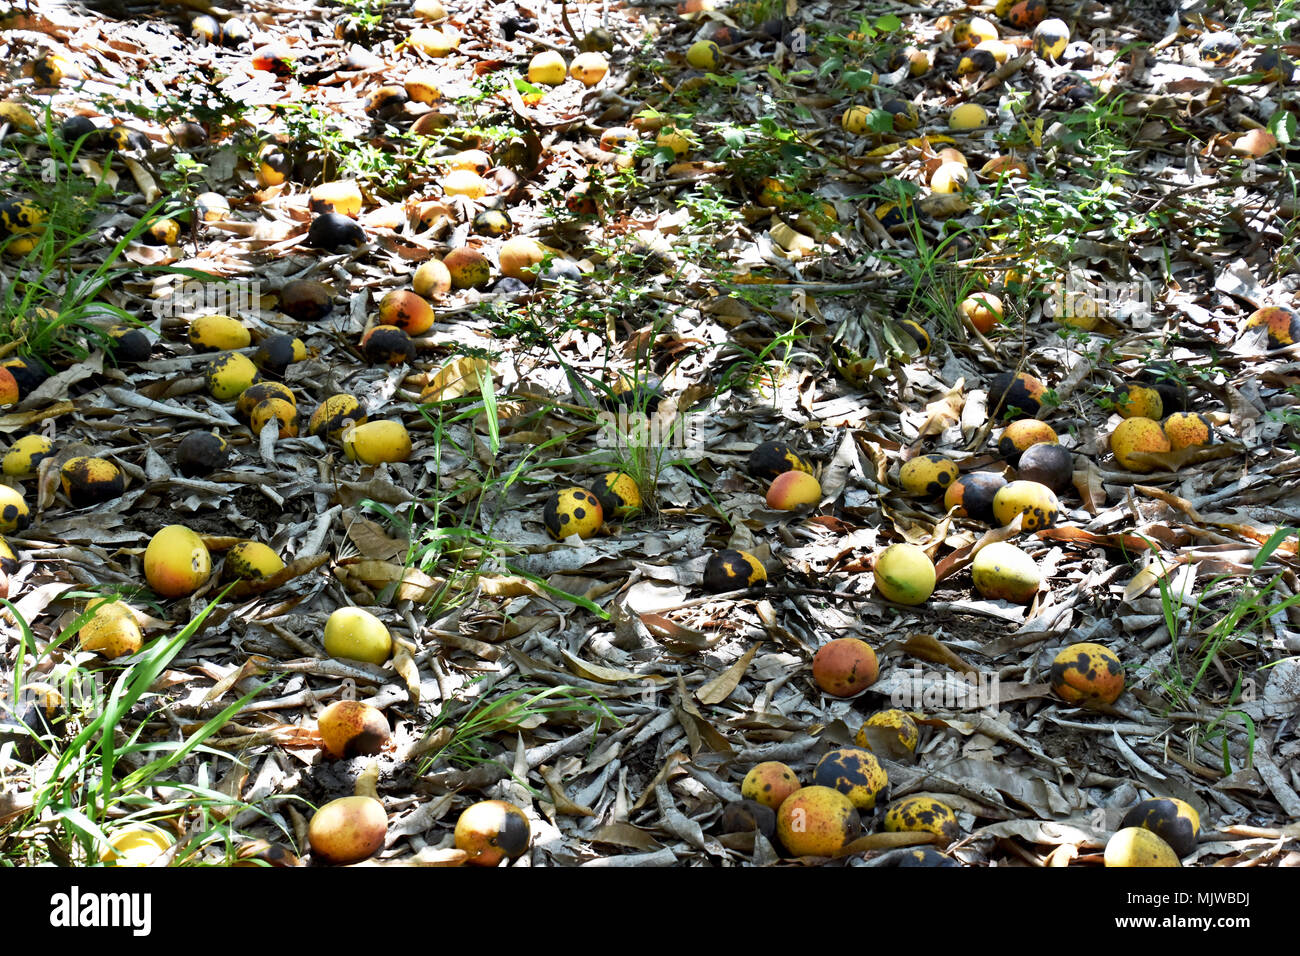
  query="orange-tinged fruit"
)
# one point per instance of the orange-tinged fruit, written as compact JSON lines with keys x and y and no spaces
{"x":1035,"y":501}
{"x":922,"y":815}
{"x":88,"y":481}
{"x":769,"y":783}
{"x":406,"y":310}
{"x":348,"y":830}
{"x":1021,"y":435}
{"x":572,"y":511}
{"x":422,"y":86}
{"x":491,"y":831}
{"x":353,"y":633}
{"x":904,"y":574}
{"x":1174,"y":821}
{"x":176,"y":562}
{"x":252,"y":561}
{"x":1283,"y":325}
{"x":794,"y":489}
{"x":1016,"y":395}
{"x":1001,"y":571}
{"x":894,"y":731}
{"x":112,"y":631}
{"x":1138,"y":847}
{"x":817,"y":821}
{"x":854,"y":772}
{"x":1004,"y":165}
{"x":1026,"y":14}
{"x":10,"y":393}
{"x":283,"y":413}
{"x":589,"y":68}
{"x":972,"y":495}
{"x":1188,"y":430}
{"x":845,"y":666}
{"x":353,"y":728}
{"x":335,"y":415}
{"x":547,"y":68}
{"x":468,"y":268}
{"x":1087,"y":673}
{"x":519,"y":258}
{"x":219,"y":333}
{"x":928,"y":475}
{"x":431,"y":278}
{"x":137,"y":845}
{"x":26,"y":455}
{"x":375,"y":443}
{"x":982,"y":310}
{"x":250,"y":397}
{"x":618,"y":494}
{"x":1138,"y":401}
{"x":949,"y":178}
{"x":1136,"y":435}
{"x":731,"y":570}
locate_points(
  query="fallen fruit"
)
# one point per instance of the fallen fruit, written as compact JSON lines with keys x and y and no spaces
{"x":547,"y":68}
{"x":904,"y":574}
{"x":129,"y":345}
{"x":968,"y":116}
{"x":771,"y":459}
{"x":88,"y":481}
{"x":353,"y":728}
{"x":1001,"y":571}
{"x":704,"y":55}
{"x":355,"y":634}
{"x":817,"y":821}
{"x":468,"y":268}
{"x":1015,"y":395}
{"x":1138,"y":401}
{"x":348,"y":830}
{"x":491,"y":831}
{"x":1135,"y":846}
{"x":218,"y":333}
{"x":769,"y":783}
{"x":332,"y":232}
{"x":13,"y":510}
{"x":949,"y":178}
{"x":731,"y":570}
{"x":589,"y":68}
{"x":334,"y":416}
{"x":228,"y":375}
{"x":387,"y":345}
{"x":1188,"y":430}
{"x":845,"y":666}
{"x":306,"y":300}
{"x":1022,"y":435}
{"x":137,"y":845}
{"x":26,"y":455}
{"x":1136,"y":435}
{"x":1048,"y":464}
{"x":928,"y":475}
{"x":793,"y":489}
{"x":176,"y":561}
{"x":893,"y":730}
{"x":112,"y":631}
{"x":746,"y":816}
{"x":277,"y":352}
{"x":970,"y":33}
{"x":1173,"y":820}
{"x":1283,"y":325}
{"x":1087,"y":673}
{"x":252,"y":561}
{"x":201,"y":453}
{"x":854,"y":772}
{"x":572,"y":511}
{"x":1035,"y":501}
{"x":972,"y":495}
{"x":519,"y":258}
{"x":922,"y":815}
{"x":618,"y":494}
{"x":431,"y":279}
{"x":375,"y":443}
{"x":1051,"y":38}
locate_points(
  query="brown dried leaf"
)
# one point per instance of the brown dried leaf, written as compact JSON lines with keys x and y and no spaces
{"x":929,"y":648}
{"x":558,"y":797}
{"x":404,"y":663}
{"x":720,"y":688}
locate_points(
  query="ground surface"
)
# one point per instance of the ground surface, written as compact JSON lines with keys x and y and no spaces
{"x":681,"y":322}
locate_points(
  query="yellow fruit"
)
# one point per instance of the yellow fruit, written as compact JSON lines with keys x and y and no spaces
{"x":176,"y":562}
{"x":1135,"y":846}
{"x":845,"y":666}
{"x":854,"y":772}
{"x":817,"y":821}
{"x":1034,"y":500}
{"x":1138,"y":401}
{"x":856,"y":120}
{"x":373,"y":443}
{"x":464,"y":182}
{"x":137,"y":845}
{"x":356,"y":634}
{"x":731,"y":570}
{"x":468,"y":268}
{"x":254,"y":395}
{"x":25,"y":456}
{"x":13,"y":510}
{"x":88,"y":481}
{"x":922,"y":815}
{"x":904,"y":574}
{"x":969,"y":33}
{"x":927,"y":475}
{"x":342,"y":196}
{"x":893,"y":730}
{"x":572,"y":511}
{"x":793,"y":489}
{"x":219,"y":333}
{"x":1023,"y":434}
{"x":252,"y":561}
{"x":589,"y":68}
{"x":491,"y":831}
{"x":1051,"y":37}
{"x":1001,"y":571}
{"x":1087,"y":672}
{"x":618,"y":494}
{"x":670,"y":137}
{"x":1135,"y":435}
{"x":228,"y":375}
{"x":769,"y":783}
{"x":431,"y":279}
{"x":348,"y":830}
{"x":968,"y":116}
{"x":547,"y":68}
{"x":334,"y":416}
{"x":112,"y":631}
{"x":704,"y":55}
{"x":519,"y":258}
{"x":422,"y":86}
{"x":1173,"y":820}
{"x":283,"y":413}
{"x":1183,"y":429}
{"x":434,"y":42}
{"x":949,"y":178}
